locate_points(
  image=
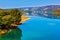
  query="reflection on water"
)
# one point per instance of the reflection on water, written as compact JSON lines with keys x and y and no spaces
{"x":15,"y":34}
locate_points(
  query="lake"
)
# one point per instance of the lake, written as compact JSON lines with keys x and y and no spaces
{"x":40,"y":28}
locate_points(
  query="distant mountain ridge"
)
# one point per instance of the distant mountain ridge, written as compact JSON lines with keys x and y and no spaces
{"x":49,"y":6}
{"x":44,"y":11}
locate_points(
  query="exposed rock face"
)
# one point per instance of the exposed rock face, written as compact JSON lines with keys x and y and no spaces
{"x":41,"y":11}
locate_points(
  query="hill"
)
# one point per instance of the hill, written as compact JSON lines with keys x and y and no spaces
{"x":44,"y":11}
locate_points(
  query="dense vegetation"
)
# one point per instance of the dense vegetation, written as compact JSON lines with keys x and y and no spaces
{"x":56,"y":12}
{"x":8,"y":17}
{"x":15,"y":34}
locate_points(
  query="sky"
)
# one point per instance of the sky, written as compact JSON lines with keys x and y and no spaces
{"x":27,"y":3}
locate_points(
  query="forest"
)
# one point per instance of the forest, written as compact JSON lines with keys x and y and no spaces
{"x":9,"y":17}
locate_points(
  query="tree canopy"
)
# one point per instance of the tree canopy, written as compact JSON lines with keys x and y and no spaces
{"x":8,"y":17}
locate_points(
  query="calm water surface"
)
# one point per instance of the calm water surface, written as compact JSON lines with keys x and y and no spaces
{"x":40,"y":28}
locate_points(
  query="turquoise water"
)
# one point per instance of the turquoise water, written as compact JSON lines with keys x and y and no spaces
{"x":40,"y":28}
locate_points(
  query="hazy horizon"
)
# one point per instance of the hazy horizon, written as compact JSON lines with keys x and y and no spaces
{"x":7,"y":4}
